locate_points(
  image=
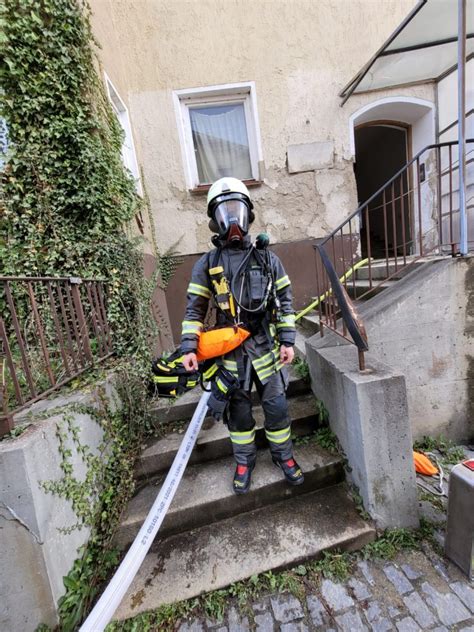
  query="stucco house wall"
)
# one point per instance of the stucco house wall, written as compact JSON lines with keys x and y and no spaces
{"x":298,"y":53}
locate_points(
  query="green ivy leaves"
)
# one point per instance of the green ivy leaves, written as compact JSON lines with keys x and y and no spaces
{"x":67,"y":196}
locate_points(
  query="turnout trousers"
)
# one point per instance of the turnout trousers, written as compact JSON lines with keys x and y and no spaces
{"x":241,"y":423}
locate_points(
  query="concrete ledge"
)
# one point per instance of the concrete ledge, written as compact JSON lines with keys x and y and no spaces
{"x":369,"y":414}
{"x":36,"y":552}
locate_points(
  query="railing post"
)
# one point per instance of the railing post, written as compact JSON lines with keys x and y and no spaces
{"x":83,"y":330}
{"x":463,"y":248}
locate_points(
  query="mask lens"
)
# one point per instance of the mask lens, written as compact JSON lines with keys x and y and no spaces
{"x":229,"y":210}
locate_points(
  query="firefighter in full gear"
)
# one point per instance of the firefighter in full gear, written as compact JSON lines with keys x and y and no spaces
{"x":249,"y":287}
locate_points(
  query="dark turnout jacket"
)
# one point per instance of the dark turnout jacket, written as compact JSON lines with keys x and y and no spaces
{"x":263,"y":346}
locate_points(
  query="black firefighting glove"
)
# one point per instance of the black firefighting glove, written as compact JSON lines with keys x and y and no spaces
{"x":223,"y":386}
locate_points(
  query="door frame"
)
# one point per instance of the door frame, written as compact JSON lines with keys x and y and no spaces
{"x":407,"y":128}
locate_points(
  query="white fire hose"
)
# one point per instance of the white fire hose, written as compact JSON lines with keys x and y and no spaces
{"x":108,"y":603}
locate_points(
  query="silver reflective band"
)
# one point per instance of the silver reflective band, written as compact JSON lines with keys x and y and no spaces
{"x":108,"y":603}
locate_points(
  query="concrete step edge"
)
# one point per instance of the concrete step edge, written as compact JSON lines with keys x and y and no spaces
{"x":205,"y":494}
{"x":213,"y":441}
{"x":273,"y":538}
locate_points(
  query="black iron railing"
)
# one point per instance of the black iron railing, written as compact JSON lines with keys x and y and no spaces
{"x":413,"y":215}
{"x":51,"y":330}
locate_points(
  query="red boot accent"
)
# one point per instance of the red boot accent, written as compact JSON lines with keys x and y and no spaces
{"x":290,"y":463}
{"x":241,"y":469}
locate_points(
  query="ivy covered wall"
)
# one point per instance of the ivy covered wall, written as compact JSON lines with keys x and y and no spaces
{"x":67,"y":198}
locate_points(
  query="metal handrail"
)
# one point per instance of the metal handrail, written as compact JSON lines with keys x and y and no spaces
{"x":349,"y":314}
{"x":389,"y":182}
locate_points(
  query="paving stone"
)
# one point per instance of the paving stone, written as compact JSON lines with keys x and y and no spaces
{"x":316,"y":610}
{"x":393,"y":612}
{"x":264,"y":622}
{"x":191,"y":626}
{"x":350,"y":622}
{"x":236,"y":623}
{"x":449,"y":608}
{"x":419,"y":610}
{"x":261,"y":606}
{"x":373,"y":612}
{"x":441,"y":628}
{"x":465,"y":593}
{"x":470,"y":628}
{"x":366,"y":572}
{"x":407,"y":625}
{"x":374,"y":615}
{"x":213,"y":624}
{"x":410,"y":572}
{"x":286,"y":608}
{"x":336,"y":595}
{"x":382,"y":625}
{"x":223,"y":629}
{"x":360,"y":589}
{"x":294,"y":627}
{"x":398,"y":579}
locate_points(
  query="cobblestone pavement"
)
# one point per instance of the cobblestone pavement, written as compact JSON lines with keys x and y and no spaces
{"x":418,"y":590}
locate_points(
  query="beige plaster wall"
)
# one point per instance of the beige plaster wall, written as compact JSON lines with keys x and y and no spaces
{"x":300,"y":53}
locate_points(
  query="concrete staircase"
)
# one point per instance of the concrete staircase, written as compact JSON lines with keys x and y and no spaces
{"x":211,"y":538}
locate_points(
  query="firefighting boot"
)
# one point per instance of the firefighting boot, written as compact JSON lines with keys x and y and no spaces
{"x":291,"y":470}
{"x":242,"y":478}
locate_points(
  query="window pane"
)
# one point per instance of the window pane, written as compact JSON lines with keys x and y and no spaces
{"x":221,"y":143}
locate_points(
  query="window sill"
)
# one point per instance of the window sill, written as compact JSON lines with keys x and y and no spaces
{"x":204,"y":188}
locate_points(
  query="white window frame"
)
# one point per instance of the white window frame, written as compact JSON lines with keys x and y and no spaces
{"x":229,"y":93}
{"x":129,"y":156}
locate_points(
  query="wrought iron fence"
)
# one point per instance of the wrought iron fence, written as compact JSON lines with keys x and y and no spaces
{"x":51,"y":330}
{"x":415,"y":214}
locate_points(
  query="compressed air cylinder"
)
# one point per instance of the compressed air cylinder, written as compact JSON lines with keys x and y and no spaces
{"x":459,"y":546}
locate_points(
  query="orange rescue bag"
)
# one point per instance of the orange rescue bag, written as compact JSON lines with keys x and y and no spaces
{"x":423,"y":465}
{"x":217,"y":342}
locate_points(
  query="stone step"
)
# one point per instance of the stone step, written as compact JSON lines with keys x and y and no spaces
{"x":205,"y":494}
{"x":380,"y":270}
{"x":169,"y":410}
{"x":309,"y":324}
{"x":279,"y":536}
{"x":213,"y":441}
{"x":361,"y":286}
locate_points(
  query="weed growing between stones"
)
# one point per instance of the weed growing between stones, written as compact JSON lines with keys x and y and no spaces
{"x":301,"y":368}
{"x":336,"y":565}
{"x":449,"y":451}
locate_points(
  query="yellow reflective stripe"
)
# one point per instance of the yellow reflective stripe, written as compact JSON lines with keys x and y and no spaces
{"x":230,"y":364}
{"x":270,"y":371}
{"x":210,"y":371}
{"x":285,"y":326}
{"x":282,"y":282}
{"x":165,"y":380}
{"x":278,"y":436}
{"x":191,"y":327}
{"x":260,"y":362}
{"x":200,"y":290}
{"x":242,"y":438}
{"x":281,"y":440}
{"x":277,"y":433}
{"x":287,"y":320}
{"x":221,"y":387}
